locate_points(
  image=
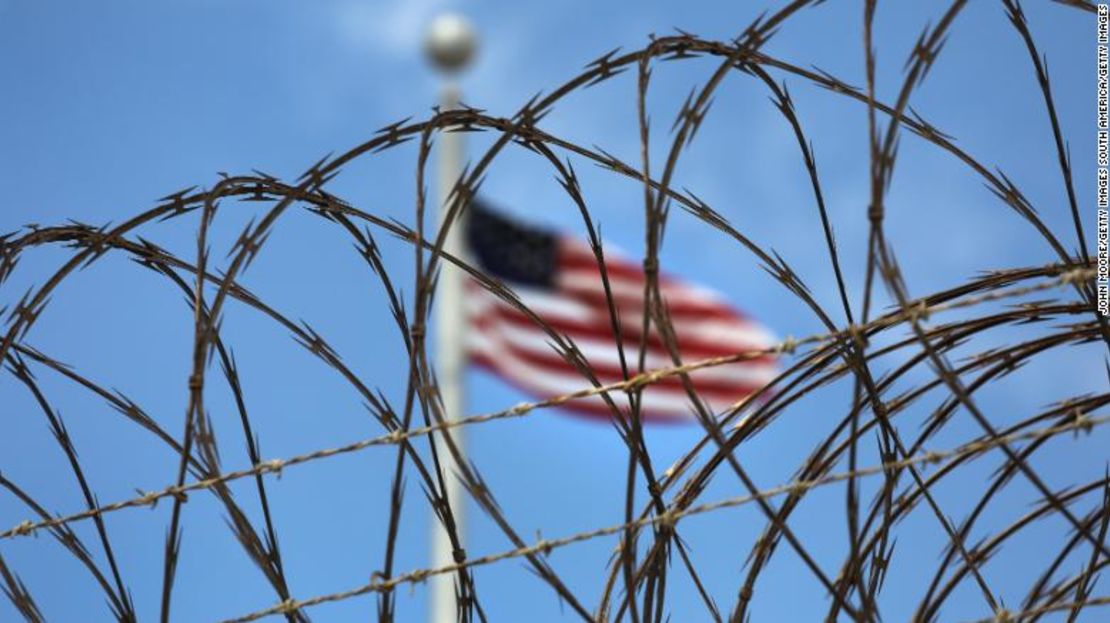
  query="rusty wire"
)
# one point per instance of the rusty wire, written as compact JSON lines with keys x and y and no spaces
{"x":844,"y":353}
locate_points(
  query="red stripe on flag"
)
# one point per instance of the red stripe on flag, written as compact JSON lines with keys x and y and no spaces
{"x":716,"y":389}
{"x":691,"y":347}
{"x":590,"y":409}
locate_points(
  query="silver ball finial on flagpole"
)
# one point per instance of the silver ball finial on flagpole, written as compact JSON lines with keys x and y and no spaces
{"x":450,"y":45}
{"x":450,"y":42}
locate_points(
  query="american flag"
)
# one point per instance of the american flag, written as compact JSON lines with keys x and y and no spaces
{"x":558,"y":278}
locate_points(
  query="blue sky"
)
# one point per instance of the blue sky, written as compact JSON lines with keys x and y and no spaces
{"x":111,"y":105}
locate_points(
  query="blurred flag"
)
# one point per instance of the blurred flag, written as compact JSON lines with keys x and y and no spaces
{"x":559,"y":279}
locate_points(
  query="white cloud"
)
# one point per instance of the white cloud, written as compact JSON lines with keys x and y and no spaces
{"x":395,"y":27}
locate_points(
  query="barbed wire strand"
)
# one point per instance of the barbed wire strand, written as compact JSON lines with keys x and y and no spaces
{"x":1005,"y":616}
{"x":1081,"y":422}
{"x":787,"y":346}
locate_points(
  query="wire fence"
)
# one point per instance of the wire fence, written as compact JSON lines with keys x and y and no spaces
{"x":931,"y":353}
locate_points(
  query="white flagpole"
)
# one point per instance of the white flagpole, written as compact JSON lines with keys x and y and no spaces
{"x":450,"y":45}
